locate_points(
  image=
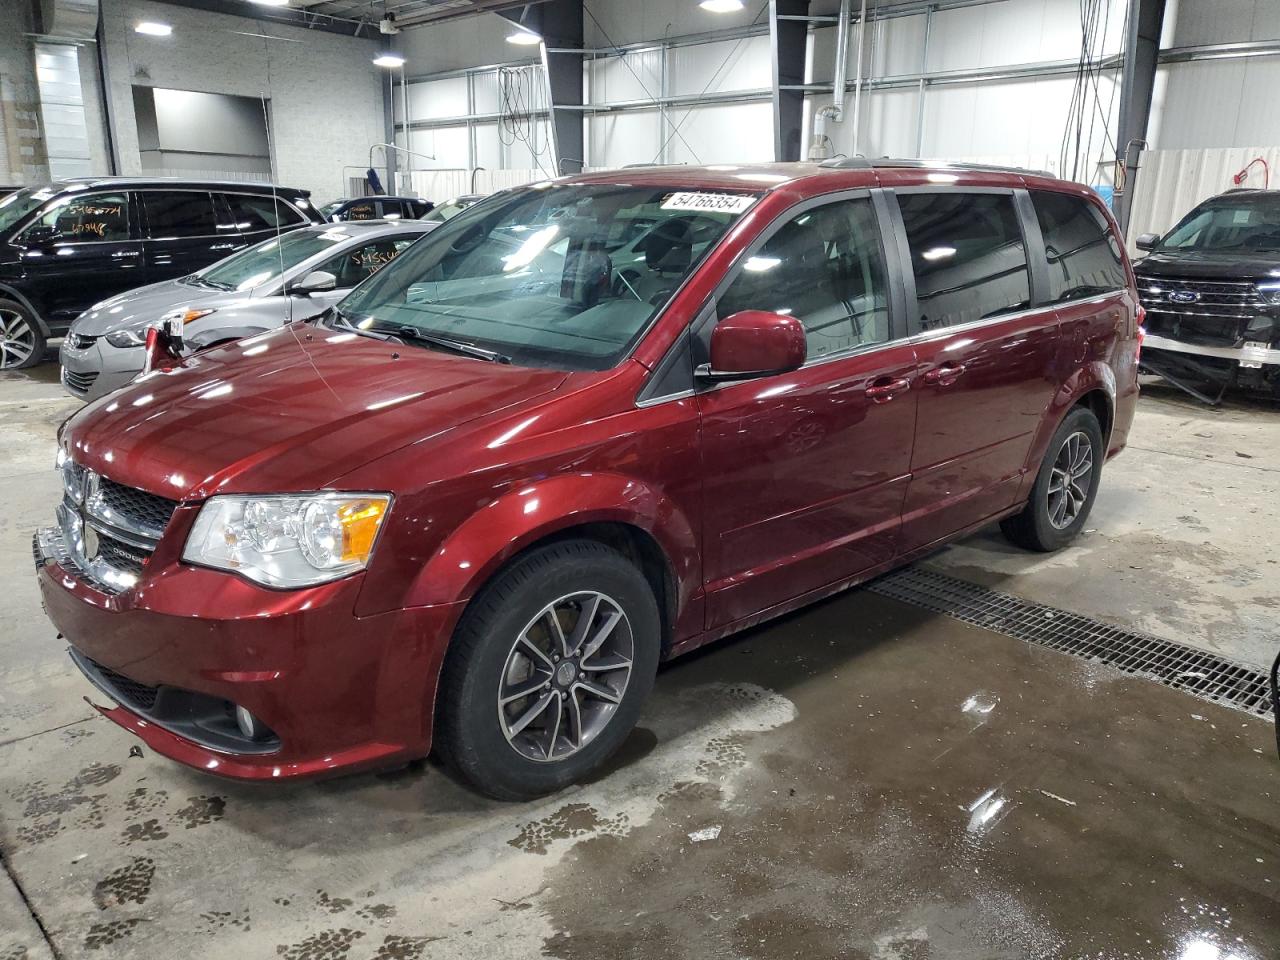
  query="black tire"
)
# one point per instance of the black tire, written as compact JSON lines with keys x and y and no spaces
{"x":472,"y":729}
{"x":1038,"y":526}
{"x":14,"y":317}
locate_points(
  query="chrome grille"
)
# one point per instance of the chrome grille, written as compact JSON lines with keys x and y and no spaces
{"x":1235,"y":299}
{"x":79,"y":382}
{"x":144,"y":512}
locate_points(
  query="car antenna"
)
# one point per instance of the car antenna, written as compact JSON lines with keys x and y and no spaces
{"x":275,"y":199}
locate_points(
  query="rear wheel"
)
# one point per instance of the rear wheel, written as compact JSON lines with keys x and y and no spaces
{"x":1065,"y":487}
{"x":22,"y":344}
{"x":548,"y":670}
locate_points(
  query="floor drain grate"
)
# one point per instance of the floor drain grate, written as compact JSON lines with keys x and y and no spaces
{"x":1183,"y":668}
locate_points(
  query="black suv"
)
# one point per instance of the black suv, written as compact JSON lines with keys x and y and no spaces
{"x":67,"y":245}
{"x":1211,"y":287}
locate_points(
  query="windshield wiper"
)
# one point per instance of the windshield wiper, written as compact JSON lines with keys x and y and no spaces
{"x":411,"y":334}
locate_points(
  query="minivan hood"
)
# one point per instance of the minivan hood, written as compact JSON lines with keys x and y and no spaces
{"x":139,"y":307}
{"x":1210,"y":266}
{"x":288,"y":411}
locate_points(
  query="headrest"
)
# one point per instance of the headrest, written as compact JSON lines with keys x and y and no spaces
{"x":669,"y":247}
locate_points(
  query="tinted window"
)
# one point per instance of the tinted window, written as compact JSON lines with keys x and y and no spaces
{"x":826,"y":268}
{"x":179,"y":214}
{"x":358,"y":264}
{"x":1084,"y":258}
{"x":262,"y":213}
{"x":968,"y":257}
{"x":91,"y":218}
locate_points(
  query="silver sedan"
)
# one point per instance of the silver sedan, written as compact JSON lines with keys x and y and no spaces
{"x":293,"y":277}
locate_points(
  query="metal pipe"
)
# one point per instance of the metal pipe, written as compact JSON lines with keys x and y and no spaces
{"x":842,"y":56}
{"x":924,"y":66}
{"x":857,"y":83}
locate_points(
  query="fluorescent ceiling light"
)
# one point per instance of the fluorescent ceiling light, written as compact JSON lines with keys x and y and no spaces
{"x":153,"y":29}
{"x":525,"y":38}
{"x":721,"y":6}
{"x":388,"y":60}
{"x":271,"y":3}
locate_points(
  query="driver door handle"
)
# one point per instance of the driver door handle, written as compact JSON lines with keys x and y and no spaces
{"x":945,"y":375}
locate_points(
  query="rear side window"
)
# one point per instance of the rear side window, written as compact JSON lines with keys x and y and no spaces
{"x":262,"y":212}
{"x":968,"y":257}
{"x":1084,"y":257}
{"x":179,"y":213}
{"x":826,"y":268}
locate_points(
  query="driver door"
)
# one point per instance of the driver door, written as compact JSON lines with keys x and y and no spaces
{"x":805,"y":472}
{"x":93,"y":252}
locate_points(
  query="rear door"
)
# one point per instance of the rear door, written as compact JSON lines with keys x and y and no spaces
{"x":183,"y":232}
{"x":986,"y":355}
{"x":805,"y":472}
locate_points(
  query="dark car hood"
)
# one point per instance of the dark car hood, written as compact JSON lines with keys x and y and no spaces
{"x":287,"y":411}
{"x":1210,"y":266}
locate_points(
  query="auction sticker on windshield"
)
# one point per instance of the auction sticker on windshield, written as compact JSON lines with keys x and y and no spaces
{"x":710,"y":202}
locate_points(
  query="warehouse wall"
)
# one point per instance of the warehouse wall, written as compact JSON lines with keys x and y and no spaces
{"x":325,"y":97}
{"x":22,"y":156}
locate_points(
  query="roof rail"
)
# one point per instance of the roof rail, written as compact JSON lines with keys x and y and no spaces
{"x":866,"y":163}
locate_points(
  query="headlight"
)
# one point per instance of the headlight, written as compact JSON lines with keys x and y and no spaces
{"x":288,"y":541}
{"x":1271,"y":291}
{"x":127,"y":338}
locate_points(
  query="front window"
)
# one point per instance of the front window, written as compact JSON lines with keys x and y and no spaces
{"x":1230,"y":225}
{"x":265,"y":262}
{"x":85,"y":218}
{"x":565,"y":276}
{"x":22,"y":203}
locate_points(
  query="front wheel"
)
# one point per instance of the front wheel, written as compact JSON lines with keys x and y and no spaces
{"x":1064,"y":489}
{"x":22,"y":344}
{"x":548,"y":670}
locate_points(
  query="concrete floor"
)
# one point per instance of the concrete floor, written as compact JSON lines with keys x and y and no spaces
{"x":870,"y":780}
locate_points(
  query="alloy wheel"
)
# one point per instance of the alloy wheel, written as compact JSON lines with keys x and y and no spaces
{"x":1069,"y":480}
{"x":17,"y":339}
{"x":565,"y":675}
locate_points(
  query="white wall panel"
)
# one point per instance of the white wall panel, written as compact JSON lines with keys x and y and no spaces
{"x":1016,"y":31}
{"x":1196,"y":22}
{"x":1217,"y":103}
{"x":725,"y":133}
{"x":719,"y":67}
{"x":617,"y":139}
{"x":618,"y":79}
{"x":434,"y":99}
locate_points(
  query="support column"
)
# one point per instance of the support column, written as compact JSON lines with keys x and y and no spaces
{"x":788,"y":40}
{"x":389,"y":127}
{"x":559,"y":23}
{"x":1146,"y":20}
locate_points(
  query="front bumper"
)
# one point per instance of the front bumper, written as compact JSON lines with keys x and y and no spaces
{"x":98,"y":369}
{"x":1244,"y":353}
{"x":339,"y":692}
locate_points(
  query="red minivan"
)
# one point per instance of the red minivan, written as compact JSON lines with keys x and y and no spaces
{"x":583,"y":427}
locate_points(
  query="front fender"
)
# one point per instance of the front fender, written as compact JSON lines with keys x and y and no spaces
{"x":495,"y":533}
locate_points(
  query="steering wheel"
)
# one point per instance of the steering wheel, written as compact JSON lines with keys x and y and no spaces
{"x":623,"y":283}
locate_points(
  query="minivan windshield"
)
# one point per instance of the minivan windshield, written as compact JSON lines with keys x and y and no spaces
{"x":563,"y":275}
{"x":263,"y":263}
{"x":1248,"y":223}
{"x":15,"y":207}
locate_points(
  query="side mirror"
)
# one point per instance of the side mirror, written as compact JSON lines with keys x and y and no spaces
{"x":1147,"y":241}
{"x":40,"y":235}
{"x":754,"y":343}
{"x":317,"y":281}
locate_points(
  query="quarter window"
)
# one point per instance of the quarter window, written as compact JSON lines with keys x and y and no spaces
{"x":87,"y":219}
{"x":967,"y":255}
{"x":1084,"y":257}
{"x":262,"y":212}
{"x":826,"y":268}
{"x":179,"y":214}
